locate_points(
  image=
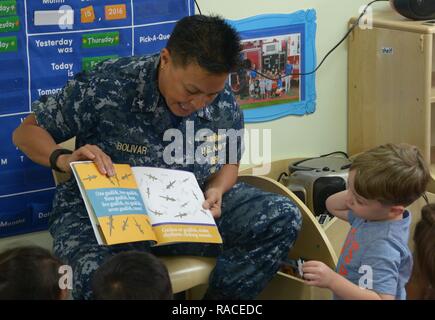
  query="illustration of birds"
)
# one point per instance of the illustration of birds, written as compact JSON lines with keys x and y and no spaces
{"x":126,"y":176}
{"x":204,"y":212}
{"x":117,"y":180}
{"x":158,"y":213}
{"x":124,"y":224}
{"x":167,"y":198}
{"x":89,"y":178}
{"x":111,"y":179}
{"x":138,"y":226}
{"x":111,"y":225}
{"x":170,"y":185}
{"x":152,"y":177}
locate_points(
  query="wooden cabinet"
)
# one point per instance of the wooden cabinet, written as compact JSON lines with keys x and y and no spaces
{"x":392,"y":85}
{"x":392,"y":90}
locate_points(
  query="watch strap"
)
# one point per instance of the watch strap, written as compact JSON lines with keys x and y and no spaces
{"x":55,"y":155}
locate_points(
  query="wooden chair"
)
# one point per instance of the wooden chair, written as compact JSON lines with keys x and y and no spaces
{"x":312,"y":244}
{"x":315,"y":242}
{"x":188,"y":272}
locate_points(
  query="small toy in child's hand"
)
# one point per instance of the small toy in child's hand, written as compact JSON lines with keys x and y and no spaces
{"x":293,"y":267}
{"x":323,"y":218}
{"x":300,"y":264}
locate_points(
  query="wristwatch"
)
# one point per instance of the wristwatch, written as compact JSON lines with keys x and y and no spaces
{"x":53,"y":158}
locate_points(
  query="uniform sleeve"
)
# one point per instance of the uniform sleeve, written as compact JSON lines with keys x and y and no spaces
{"x":380,"y":266}
{"x":70,"y":111}
{"x":235,"y":139}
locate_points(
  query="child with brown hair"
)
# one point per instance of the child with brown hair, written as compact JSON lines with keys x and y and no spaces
{"x":382,"y":182}
{"x":30,"y":273}
{"x":422,"y":283}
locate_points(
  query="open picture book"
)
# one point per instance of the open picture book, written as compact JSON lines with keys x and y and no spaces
{"x":145,"y":204}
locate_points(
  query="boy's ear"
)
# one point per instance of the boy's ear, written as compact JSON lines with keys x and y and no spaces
{"x":397,"y":210}
{"x":165,"y":57}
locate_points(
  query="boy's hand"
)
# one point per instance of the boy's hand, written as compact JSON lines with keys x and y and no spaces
{"x":213,"y":201}
{"x":318,"y":274}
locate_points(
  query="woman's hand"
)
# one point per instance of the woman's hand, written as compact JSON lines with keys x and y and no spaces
{"x":213,"y":201}
{"x":88,"y":152}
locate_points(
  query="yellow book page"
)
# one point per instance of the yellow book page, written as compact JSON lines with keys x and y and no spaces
{"x":116,"y":204}
{"x":170,"y":233}
{"x":126,"y":228}
{"x":91,"y":178}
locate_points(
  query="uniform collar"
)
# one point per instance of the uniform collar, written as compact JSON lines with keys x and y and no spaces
{"x":206,"y":113}
{"x":148,"y":94}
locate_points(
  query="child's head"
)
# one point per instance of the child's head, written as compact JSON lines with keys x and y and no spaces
{"x":386,"y":179}
{"x":132,"y":275}
{"x":424,"y":239}
{"x":30,"y":273}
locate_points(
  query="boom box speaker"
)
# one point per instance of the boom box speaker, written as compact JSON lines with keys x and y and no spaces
{"x":415,"y":9}
{"x":313,"y":180}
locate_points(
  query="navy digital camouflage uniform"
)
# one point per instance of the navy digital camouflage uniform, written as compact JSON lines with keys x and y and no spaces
{"x":119,"y":108}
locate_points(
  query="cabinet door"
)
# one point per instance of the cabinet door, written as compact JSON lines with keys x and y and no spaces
{"x":389,"y":89}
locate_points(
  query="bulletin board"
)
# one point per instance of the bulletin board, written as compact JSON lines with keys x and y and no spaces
{"x":43,"y":44}
{"x":278,"y":48}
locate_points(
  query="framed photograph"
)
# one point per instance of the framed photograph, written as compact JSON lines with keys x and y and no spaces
{"x":277,"y":49}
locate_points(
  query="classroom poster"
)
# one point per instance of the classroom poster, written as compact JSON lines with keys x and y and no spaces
{"x":43,"y":43}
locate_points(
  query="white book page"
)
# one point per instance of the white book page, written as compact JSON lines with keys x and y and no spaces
{"x":172,"y":196}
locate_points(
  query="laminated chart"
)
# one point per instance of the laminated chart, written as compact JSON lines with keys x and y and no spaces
{"x":45,"y":43}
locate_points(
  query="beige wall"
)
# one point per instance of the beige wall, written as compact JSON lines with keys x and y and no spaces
{"x":325,"y":130}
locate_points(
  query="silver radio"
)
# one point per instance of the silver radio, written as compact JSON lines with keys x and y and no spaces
{"x":313,"y":180}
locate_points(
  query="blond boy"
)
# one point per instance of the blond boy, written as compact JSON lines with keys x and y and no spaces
{"x":375,"y":262}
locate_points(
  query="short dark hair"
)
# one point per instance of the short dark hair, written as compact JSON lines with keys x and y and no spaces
{"x":208,"y":41}
{"x":29,"y":273}
{"x":132,"y":275}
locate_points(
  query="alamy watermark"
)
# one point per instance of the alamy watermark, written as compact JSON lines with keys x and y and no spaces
{"x":366,"y":281}
{"x":66,"y":277}
{"x":221,"y":146}
{"x":366,"y":21}
{"x":66,"y":17}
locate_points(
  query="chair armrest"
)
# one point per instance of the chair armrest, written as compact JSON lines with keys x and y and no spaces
{"x":312,"y":242}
